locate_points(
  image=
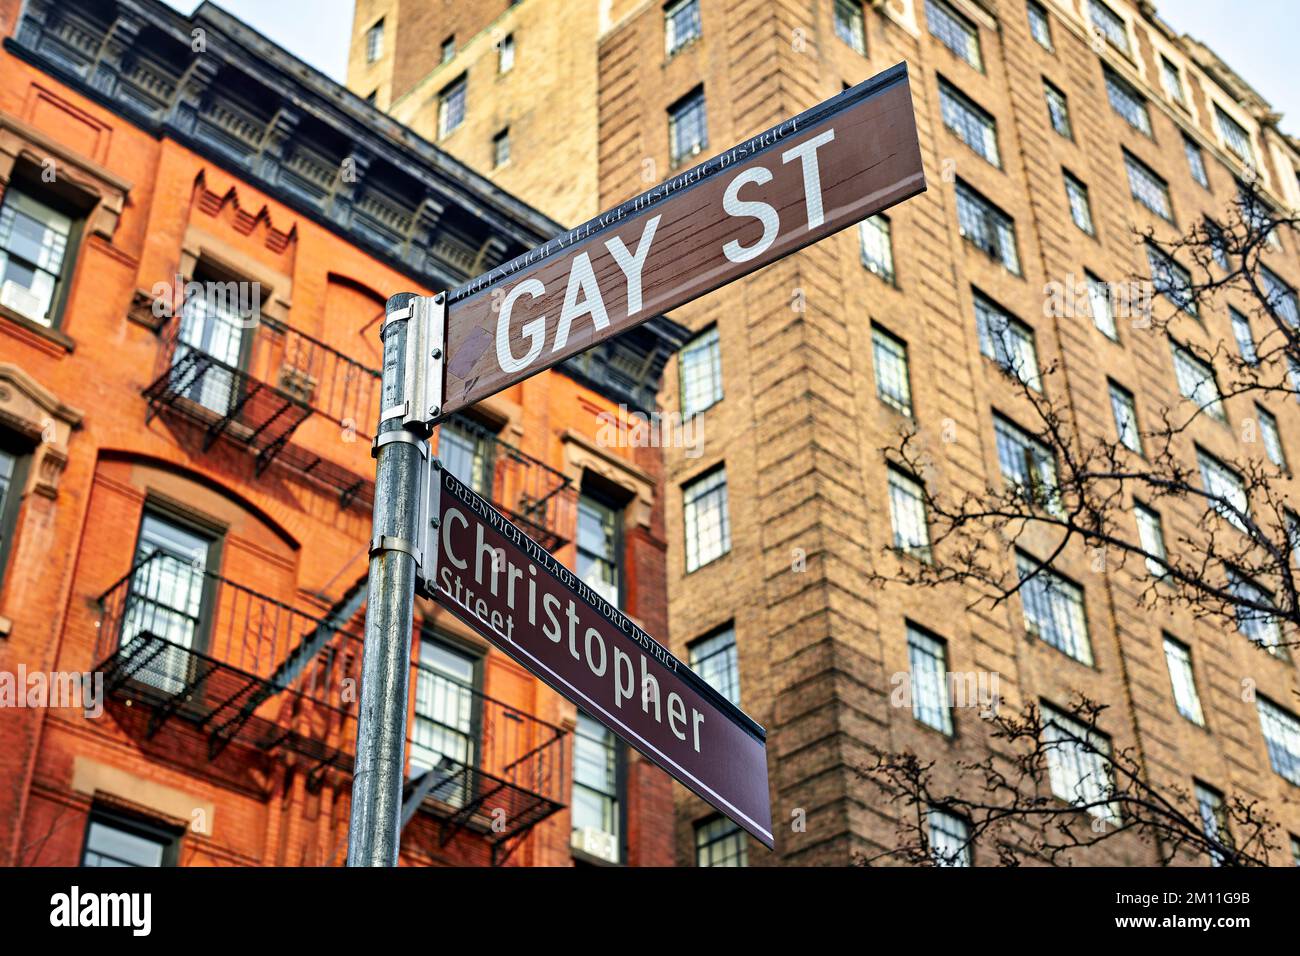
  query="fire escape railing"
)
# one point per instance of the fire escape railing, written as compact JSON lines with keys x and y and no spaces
{"x":256,"y":382}
{"x":535,"y":495}
{"x":179,"y":642}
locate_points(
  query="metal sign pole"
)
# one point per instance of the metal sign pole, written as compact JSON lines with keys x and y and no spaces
{"x":411,"y":394}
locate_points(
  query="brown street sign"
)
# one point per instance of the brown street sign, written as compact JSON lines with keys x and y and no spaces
{"x":807,"y":177}
{"x":511,"y":591}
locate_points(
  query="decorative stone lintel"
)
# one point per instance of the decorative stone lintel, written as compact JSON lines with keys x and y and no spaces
{"x":30,"y":409}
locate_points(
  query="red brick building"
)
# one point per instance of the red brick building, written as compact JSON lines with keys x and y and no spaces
{"x":198,"y":234}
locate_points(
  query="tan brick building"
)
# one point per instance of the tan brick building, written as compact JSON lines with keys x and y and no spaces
{"x":1050,"y":131}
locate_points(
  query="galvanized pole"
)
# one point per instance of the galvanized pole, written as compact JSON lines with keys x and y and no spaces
{"x":401,"y":450}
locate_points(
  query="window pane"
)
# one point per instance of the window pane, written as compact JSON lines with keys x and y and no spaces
{"x":907,"y":515}
{"x":1223,"y":484}
{"x":1281,"y":737}
{"x":1197,"y":384}
{"x":1235,"y":136}
{"x":1179,"y":658}
{"x":954,"y":31}
{"x":1245,"y":341}
{"x":1080,"y":211}
{"x":720,"y":842}
{"x":1058,"y":110}
{"x":687,"y":127}
{"x":451,"y":107}
{"x":928,"y":659}
{"x":109,"y":845}
{"x":597,"y":546}
{"x":1027,"y":465}
{"x":708,"y":533}
{"x":1053,"y":609}
{"x":972,"y":125}
{"x":1255,"y":618}
{"x":1110,"y":23}
{"x":1077,"y":764}
{"x":700,"y":369}
{"x":33,"y":244}
{"x":987,"y":227}
{"x":1196,"y":161}
{"x":1039,"y":27}
{"x":1148,"y":188}
{"x":445,"y":714}
{"x":595,"y":777}
{"x":948,"y":839}
{"x":681,"y":24}
{"x":1171,"y":280}
{"x":848,"y":24}
{"x":1127,"y":102}
{"x":1099,"y":304}
{"x":889,"y":360}
{"x":1272,"y":438}
{"x":1007,"y":341}
{"x":877,"y":249}
{"x":1151,"y":537}
{"x":714,"y":659}
{"x":1125,"y":412}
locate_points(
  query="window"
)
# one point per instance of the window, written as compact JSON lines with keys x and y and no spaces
{"x":927,"y":657}
{"x":954,"y":31}
{"x":599,"y":546}
{"x":375,"y":41}
{"x":1125,"y":411}
{"x":949,"y":838}
{"x":1099,"y":304}
{"x":1218,"y":241}
{"x":1127,"y":102}
{"x":506,"y":54}
{"x":116,"y":840}
{"x":1078,"y":764}
{"x":448,"y":50}
{"x":1171,"y":280}
{"x":971,"y":124}
{"x":708,"y":532}
{"x":1007,"y":341}
{"x":1272,"y":437}
{"x":1039,"y":26}
{"x":681,"y":24}
{"x":34,"y":240}
{"x":1148,"y":188}
{"x":889,"y":360}
{"x":1224,"y":486}
{"x":688,"y":131}
{"x":445,"y":721}
{"x":451,"y":107}
{"x":1195,"y":161}
{"x":1214,"y":820}
{"x":1235,"y":137}
{"x":714,"y":659}
{"x":1197,"y":384}
{"x":1282,"y":737}
{"x":1295,"y":851}
{"x":1080,"y":211}
{"x":1245,"y":341}
{"x":1151,"y":537}
{"x":1172,"y":79}
{"x":1110,"y":24}
{"x":1026,"y":463}
{"x":1178,"y":657}
{"x":907,"y":515}
{"x":877,"y":246}
{"x":1256,"y":619}
{"x":848,"y":24}
{"x":1281,"y":297}
{"x":987,"y":227}
{"x":211,"y":328}
{"x":720,"y":842}
{"x":466,"y":450}
{"x":501,"y":148}
{"x":1053,"y":609}
{"x":168,"y":599}
{"x":13,"y":474}
{"x":596,"y":811}
{"x":700,"y":370}
{"x":1058,"y":110}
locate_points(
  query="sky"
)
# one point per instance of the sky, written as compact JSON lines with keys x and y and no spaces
{"x":1257,"y":38}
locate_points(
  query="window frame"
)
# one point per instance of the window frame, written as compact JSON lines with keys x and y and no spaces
{"x":23,"y":181}
{"x":937,"y":652}
{"x":1050,"y":90}
{"x":730,"y":830}
{"x":1080,"y":187}
{"x":711,"y":338}
{"x":856,"y":26}
{"x":732,"y":649}
{"x":616,"y":512}
{"x":954,"y":21}
{"x":971,"y":114}
{"x":21,"y":452}
{"x":1052,"y":582}
{"x":375,"y":41}
{"x":694,"y":100}
{"x":724,"y":522}
{"x":1116,"y":84}
{"x":460,"y":85}
{"x":619,"y":796}
{"x":882,"y":337}
{"x":672,"y":43}
{"x":168,"y":837}
{"x":1035,"y":12}
{"x":1184,"y":654}
{"x":1150,"y":180}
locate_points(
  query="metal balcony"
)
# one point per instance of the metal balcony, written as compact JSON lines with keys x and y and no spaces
{"x":533,"y":494}
{"x":178,"y":643}
{"x":216,"y":371}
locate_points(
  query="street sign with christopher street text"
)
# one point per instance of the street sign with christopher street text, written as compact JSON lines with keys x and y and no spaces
{"x":513,"y":592}
{"x":802,"y":180}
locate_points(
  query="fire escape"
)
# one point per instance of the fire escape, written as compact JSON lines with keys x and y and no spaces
{"x":257,"y":382}
{"x":178,"y":643}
